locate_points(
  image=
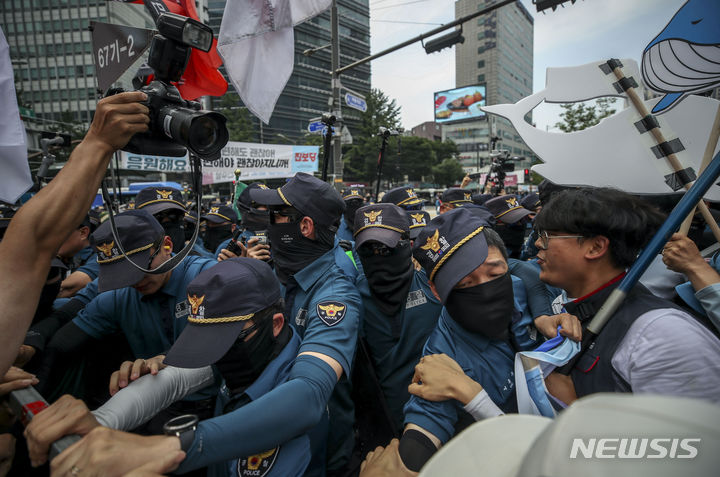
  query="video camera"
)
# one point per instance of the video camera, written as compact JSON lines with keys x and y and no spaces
{"x":176,"y":123}
{"x":501,"y":163}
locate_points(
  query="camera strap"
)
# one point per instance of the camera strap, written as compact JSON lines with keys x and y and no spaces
{"x":174,"y":261}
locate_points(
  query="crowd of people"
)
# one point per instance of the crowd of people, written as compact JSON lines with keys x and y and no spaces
{"x":319,"y":333}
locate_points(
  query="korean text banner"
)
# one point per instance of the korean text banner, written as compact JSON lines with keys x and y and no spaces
{"x":255,"y":161}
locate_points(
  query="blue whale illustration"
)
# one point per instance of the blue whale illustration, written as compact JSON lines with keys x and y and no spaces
{"x":685,"y":57}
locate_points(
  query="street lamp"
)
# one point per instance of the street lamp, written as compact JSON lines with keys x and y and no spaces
{"x":311,"y":51}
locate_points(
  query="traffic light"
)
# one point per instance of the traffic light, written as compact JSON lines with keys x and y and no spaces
{"x":527,"y":175}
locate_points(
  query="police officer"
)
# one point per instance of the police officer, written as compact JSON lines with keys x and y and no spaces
{"x":456,"y":197}
{"x":166,"y":205}
{"x":254,"y":223}
{"x":400,"y":308}
{"x":466,"y":264}
{"x":511,"y":219}
{"x":79,"y":257}
{"x":321,"y":300}
{"x":353,"y":201}
{"x":404,"y":197}
{"x":221,"y":223}
{"x":251,"y":346}
{"x":149,"y":309}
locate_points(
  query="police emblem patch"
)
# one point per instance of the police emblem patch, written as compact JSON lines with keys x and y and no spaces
{"x":257,"y":465}
{"x":195,"y":303}
{"x":106,"y":249}
{"x":512,"y":202}
{"x":331,"y":312}
{"x":164,"y":194}
{"x":433,"y":242}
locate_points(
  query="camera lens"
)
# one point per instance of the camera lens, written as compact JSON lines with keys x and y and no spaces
{"x":203,"y":132}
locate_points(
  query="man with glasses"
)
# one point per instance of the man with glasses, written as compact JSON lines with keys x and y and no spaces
{"x":150,"y":310}
{"x":321,"y":303}
{"x":400,"y":308}
{"x":588,"y":239}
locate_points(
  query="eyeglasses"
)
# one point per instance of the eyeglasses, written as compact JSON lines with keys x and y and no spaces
{"x":293,"y":214}
{"x":545,"y":238}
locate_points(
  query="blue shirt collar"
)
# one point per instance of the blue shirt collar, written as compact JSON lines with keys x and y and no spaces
{"x":307,"y":277}
{"x":474,"y":340}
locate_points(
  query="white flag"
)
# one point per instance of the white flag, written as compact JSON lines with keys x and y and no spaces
{"x":256,"y":44}
{"x":15,"y":176}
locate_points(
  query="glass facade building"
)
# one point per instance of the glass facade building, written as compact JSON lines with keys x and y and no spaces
{"x":306,"y":94}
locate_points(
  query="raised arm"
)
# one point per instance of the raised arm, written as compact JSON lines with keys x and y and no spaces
{"x":42,"y":224}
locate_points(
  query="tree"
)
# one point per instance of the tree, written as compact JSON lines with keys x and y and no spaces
{"x":448,"y":172}
{"x":579,"y":116}
{"x":239,"y":124}
{"x":360,"y":160}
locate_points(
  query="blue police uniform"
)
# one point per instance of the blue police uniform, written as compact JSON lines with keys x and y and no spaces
{"x":199,"y":248}
{"x":289,"y":459}
{"x":150,"y":323}
{"x":395,"y":343}
{"x":488,"y":362}
{"x":87,"y":259}
{"x":344,"y":232}
{"x":325,"y":308}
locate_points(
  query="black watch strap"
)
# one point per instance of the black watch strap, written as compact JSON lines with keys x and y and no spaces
{"x":183,"y":427}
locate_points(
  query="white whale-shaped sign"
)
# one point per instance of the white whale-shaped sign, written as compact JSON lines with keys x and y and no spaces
{"x":613,"y":153}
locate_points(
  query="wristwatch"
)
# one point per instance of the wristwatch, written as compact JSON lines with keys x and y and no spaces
{"x":182,"y":427}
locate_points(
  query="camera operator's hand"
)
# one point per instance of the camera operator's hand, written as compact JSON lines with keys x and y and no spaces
{"x":258,"y":251}
{"x":132,"y":370}
{"x":117,"y":119}
{"x":225,"y":253}
{"x":64,"y":417}
{"x":466,"y":180}
{"x":111,"y":453}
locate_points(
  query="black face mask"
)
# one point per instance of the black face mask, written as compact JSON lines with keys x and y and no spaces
{"x":217,"y":235}
{"x":291,"y":251}
{"x":486,"y":308}
{"x":351,"y":206}
{"x":254,"y":219}
{"x":246,"y":360}
{"x":389,"y":277}
{"x":176,"y":231}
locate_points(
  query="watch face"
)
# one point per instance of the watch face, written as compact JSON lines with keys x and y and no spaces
{"x":257,"y":465}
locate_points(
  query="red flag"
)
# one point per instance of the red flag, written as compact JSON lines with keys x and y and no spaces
{"x":201,"y":77}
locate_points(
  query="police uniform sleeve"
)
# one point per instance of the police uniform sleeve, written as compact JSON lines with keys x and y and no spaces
{"x":90,"y":268}
{"x":333,"y":319}
{"x":97,"y":319}
{"x":284,"y":413}
{"x":438,"y":418}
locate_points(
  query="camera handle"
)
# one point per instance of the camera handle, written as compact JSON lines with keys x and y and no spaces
{"x":174,"y":261}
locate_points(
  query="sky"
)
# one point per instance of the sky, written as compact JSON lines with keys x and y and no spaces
{"x":587,"y":31}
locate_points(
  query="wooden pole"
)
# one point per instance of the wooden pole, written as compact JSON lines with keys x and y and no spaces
{"x":709,"y":149}
{"x":672,"y":158}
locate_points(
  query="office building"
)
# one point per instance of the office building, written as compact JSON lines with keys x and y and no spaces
{"x":497,"y":52}
{"x":306,"y":94}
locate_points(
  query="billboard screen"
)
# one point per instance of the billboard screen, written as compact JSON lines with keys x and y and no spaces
{"x":459,"y":104}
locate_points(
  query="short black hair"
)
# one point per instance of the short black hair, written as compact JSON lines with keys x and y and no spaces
{"x":493,"y":239}
{"x":629,"y":222}
{"x":270,"y":311}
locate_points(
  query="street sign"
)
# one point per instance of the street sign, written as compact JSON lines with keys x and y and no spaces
{"x":316,"y":127}
{"x":115,"y":49}
{"x":356,"y":102}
